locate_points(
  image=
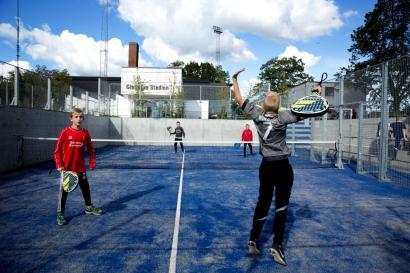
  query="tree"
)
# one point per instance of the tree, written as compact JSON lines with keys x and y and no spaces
{"x":384,"y":35}
{"x":137,"y":96}
{"x":201,"y":71}
{"x":283,"y":73}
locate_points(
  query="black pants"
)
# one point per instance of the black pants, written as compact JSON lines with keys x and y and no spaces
{"x":244,"y":148}
{"x":180,"y":143}
{"x":274,"y":176}
{"x":85,"y":188}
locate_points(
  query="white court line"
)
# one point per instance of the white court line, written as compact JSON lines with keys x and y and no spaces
{"x":174,"y":250}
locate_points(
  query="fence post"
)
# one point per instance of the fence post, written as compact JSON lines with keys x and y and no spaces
{"x":383,"y":151}
{"x":32,"y":96}
{"x":86,"y":102}
{"x":7,"y":92}
{"x":293,"y":138}
{"x":359,"y":168}
{"x":48,"y":105}
{"x":15,"y":101}
{"x":71,"y":98}
{"x":324,"y":138}
{"x":339,"y":163}
{"x":99,"y":95}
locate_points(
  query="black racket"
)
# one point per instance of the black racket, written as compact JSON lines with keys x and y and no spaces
{"x":313,"y":105}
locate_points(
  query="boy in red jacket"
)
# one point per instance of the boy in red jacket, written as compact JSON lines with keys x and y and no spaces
{"x":69,"y":156}
{"x":248,"y":137}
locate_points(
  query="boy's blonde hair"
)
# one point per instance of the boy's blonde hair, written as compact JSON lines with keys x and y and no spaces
{"x":271,"y":102}
{"x":75,"y":110}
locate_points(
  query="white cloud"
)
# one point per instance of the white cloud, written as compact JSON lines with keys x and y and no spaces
{"x":308,"y":58}
{"x":77,"y":53}
{"x":10,"y":66}
{"x":349,"y":13}
{"x":183,"y":28}
{"x":246,"y":85}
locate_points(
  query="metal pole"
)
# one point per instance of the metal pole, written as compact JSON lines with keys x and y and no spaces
{"x":350,"y":131}
{"x":324,"y":138}
{"x":339,"y":163}
{"x":109,"y":99}
{"x":359,"y":168}
{"x":7,"y":92}
{"x":48,"y":105}
{"x":71,"y":98}
{"x":384,"y":124}
{"x":293,"y":138}
{"x":86,"y":102}
{"x":15,"y":100}
{"x":99,"y":95}
{"x":32,"y":96}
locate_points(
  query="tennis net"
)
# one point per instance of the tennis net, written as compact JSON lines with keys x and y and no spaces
{"x":140,"y":154}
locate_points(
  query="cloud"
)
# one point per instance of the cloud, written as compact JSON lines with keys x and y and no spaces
{"x":5,"y":68}
{"x":246,"y":85}
{"x":308,"y":58}
{"x":77,"y":53}
{"x":349,"y":13}
{"x":183,"y":28}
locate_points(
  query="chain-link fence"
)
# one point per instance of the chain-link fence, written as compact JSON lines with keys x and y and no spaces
{"x":101,"y":96}
{"x":372,"y":121}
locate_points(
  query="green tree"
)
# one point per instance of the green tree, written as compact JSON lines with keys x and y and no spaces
{"x":137,"y":96}
{"x":283,"y":73}
{"x":201,"y":71}
{"x":383,"y":37}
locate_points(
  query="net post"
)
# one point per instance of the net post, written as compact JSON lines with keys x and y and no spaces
{"x":383,"y":150}
{"x":339,"y":163}
{"x":359,"y":168}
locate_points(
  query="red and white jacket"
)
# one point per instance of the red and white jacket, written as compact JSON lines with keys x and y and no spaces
{"x":70,"y":150}
{"x":247,"y":135}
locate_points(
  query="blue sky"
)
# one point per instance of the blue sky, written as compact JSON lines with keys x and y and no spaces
{"x":66,"y":34}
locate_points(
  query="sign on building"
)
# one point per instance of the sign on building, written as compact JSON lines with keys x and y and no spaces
{"x":152,"y":81}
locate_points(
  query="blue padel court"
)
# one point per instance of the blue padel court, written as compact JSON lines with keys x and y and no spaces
{"x":160,"y":217}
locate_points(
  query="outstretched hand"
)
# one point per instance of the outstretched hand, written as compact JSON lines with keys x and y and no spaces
{"x":235,"y":75}
{"x":317,"y":89}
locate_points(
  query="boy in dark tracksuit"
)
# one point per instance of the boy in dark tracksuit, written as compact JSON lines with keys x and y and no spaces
{"x":179,"y":134}
{"x":275,"y":172}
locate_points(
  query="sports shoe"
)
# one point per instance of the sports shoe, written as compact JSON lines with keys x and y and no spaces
{"x":60,"y":219}
{"x":93,"y":210}
{"x":276,"y":251}
{"x":253,"y":248}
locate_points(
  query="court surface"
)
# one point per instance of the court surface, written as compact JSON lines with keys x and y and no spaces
{"x":337,"y":221}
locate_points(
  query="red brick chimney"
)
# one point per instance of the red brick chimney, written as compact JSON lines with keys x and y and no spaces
{"x":133,"y":50}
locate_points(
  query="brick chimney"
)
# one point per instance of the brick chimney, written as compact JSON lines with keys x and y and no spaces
{"x":133,"y":50}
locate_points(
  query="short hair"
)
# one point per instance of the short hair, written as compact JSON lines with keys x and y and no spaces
{"x":75,"y":110}
{"x":178,"y":121}
{"x":271,"y":102}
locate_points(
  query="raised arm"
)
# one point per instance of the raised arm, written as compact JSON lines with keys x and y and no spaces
{"x":236,"y":91}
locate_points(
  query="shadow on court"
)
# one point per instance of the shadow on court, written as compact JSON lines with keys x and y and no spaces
{"x":337,"y":221}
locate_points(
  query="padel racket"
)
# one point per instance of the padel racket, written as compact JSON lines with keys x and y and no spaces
{"x":69,"y":181}
{"x":313,"y":105}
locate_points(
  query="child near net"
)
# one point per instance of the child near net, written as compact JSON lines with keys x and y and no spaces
{"x":69,"y":156}
{"x":275,"y":172}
